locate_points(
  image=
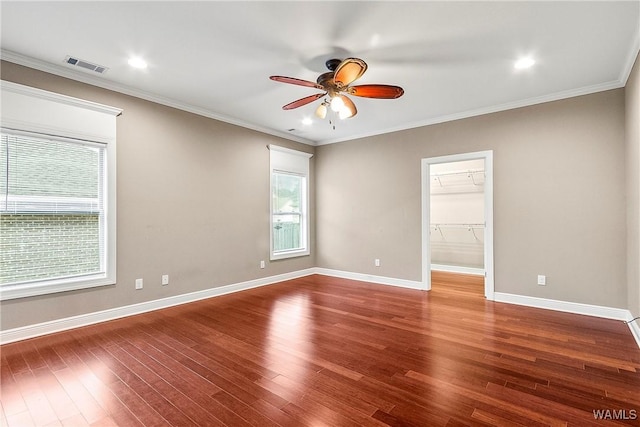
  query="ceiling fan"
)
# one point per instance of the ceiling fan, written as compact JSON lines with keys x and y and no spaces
{"x":336,"y":83}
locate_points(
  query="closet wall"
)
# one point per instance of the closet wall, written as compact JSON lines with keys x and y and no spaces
{"x":457,"y":216}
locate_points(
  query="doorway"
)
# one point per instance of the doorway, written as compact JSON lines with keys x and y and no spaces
{"x":457,"y":216}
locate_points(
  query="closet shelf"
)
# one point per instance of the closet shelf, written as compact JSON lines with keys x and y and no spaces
{"x":456,"y":225}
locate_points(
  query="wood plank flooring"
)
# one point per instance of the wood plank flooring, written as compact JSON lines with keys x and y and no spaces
{"x":322,"y":351}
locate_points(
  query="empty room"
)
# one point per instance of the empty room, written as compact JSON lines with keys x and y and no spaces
{"x":301,"y":213}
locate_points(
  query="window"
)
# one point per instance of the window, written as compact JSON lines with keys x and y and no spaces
{"x":52,"y":209}
{"x":57,"y":195}
{"x":287,"y":212}
{"x":289,"y":203}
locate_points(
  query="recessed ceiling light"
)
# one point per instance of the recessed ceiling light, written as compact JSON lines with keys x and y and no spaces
{"x":523,"y":63}
{"x":307,"y":121}
{"x":137,"y":62}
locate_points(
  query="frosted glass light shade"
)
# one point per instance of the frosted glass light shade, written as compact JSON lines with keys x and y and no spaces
{"x":321,"y":111}
{"x":337,"y":104}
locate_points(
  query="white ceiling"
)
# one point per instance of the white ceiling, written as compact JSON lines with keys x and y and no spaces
{"x":454,"y":59}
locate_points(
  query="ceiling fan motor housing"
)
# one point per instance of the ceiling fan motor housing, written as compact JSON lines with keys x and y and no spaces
{"x":326,"y":81}
{"x":332,"y":64}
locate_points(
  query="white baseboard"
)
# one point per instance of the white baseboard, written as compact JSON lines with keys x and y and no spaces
{"x":381,"y":280}
{"x":59,"y":325}
{"x":32,"y":331}
{"x":458,"y":269}
{"x":635,"y":328}
{"x":569,"y":307}
{"x":573,"y":307}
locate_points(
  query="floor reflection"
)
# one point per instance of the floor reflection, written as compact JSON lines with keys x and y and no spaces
{"x":289,"y":339}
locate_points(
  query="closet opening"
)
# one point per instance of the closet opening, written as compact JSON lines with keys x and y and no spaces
{"x":457,"y":221}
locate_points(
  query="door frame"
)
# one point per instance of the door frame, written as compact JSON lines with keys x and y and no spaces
{"x":487,"y":156}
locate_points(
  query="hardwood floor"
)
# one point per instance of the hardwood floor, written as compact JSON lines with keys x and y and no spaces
{"x":322,"y":351}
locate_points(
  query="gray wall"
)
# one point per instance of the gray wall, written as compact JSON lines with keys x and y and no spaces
{"x":559,"y":198}
{"x":632,"y":109}
{"x":192,"y":202}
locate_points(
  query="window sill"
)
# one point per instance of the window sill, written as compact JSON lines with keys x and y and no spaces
{"x":289,"y":254}
{"x":25,"y":290}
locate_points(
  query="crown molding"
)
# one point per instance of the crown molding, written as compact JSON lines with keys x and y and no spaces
{"x":82,"y":77}
{"x":56,"y":97}
{"x":631,"y":60}
{"x":587,"y":90}
{"x":127,"y":90}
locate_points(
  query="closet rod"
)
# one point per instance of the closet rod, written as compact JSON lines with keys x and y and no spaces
{"x":469,"y":227}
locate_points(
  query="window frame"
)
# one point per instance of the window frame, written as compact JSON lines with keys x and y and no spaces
{"x":295,"y":163}
{"x":48,"y":115}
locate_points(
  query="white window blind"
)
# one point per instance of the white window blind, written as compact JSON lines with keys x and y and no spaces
{"x":51,"y":207}
{"x":50,"y":175}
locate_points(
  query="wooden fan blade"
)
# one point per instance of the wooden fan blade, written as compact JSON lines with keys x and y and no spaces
{"x":294,"y":81}
{"x":376,"y":91}
{"x":349,"y":105}
{"x":303,"y":101}
{"x":349,"y":70}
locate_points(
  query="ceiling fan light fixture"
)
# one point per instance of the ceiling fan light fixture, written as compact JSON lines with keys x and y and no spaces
{"x":321,"y":111}
{"x":345,"y":113}
{"x":337,"y":104}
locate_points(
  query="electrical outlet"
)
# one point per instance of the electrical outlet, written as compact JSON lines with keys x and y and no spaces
{"x":376,"y":262}
{"x":261,"y":264}
{"x":165,"y":279}
{"x":138,"y":283}
{"x":542,"y":280}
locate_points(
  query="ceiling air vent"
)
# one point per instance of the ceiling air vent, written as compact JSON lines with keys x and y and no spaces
{"x":85,"y":64}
